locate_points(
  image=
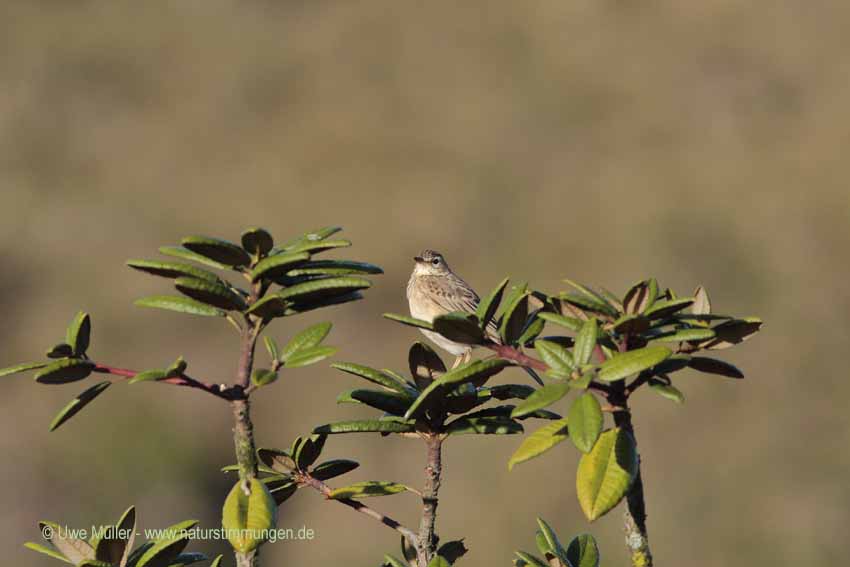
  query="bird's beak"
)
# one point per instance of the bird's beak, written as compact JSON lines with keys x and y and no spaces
{"x":418,"y":258}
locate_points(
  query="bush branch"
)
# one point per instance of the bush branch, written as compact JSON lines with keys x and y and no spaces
{"x":316,"y":484}
{"x":433,"y":474}
{"x":515,"y":355}
{"x":216,"y":390}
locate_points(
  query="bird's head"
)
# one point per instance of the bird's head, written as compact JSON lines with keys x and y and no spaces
{"x":430,"y":263}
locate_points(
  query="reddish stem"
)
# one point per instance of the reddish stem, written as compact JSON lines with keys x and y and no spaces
{"x":510,"y":353}
{"x":231,"y":393}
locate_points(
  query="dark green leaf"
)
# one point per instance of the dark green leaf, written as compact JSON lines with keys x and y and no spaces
{"x":334,"y":468}
{"x":282,"y":493}
{"x":487,"y":307}
{"x":79,"y":333}
{"x":257,"y":241}
{"x":65,"y":371}
{"x":585,"y":422}
{"x":391,"y":402}
{"x":551,"y":541}
{"x":730,"y":333}
{"x":309,"y":450}
{"x":451,"y":551}
{"x":532,"y":330}
{"x":588,"y":303}
{"x":271,"y":346}
{"x":278,"y":265}
{"x":186,"y":254}
{"x":217,"y":250}
{"x":180,"y":304}
{"x":425,"y":365}
{"x":632,"y":362}
{"x":539,"y":442}
{"x":640,"y":297}
{"x":366,"y":426}
{"x":367,"y":489}
{"x":459,"y":327}
{"x":411,"y":321}
{"x":78,"y":403}
{"x":319,"y":246}
{"x":514,"y":319}
{"x":62,"y":350}
{"x":506,"y":392}
{"x":210,"y":293}
{"x":666,"y":307}
{"x":544,"y":396}
{"x":277,"y":459}
{"x":594,"y":297}
{"x":375,"y":376}
{"x":334,"y":268}
{"x":492,"y":425}
{"x":477,"y":372}
{"x":583,"y":551}
{"x":714,"y":366}
{"x":148,"y":375}
{"x":679,"y":335}
{"x":631,"y":324}
{"x":23,"y":367}
{"x":304,"y":293}
{"x":315,"y":235}
{"x":173,"y":270}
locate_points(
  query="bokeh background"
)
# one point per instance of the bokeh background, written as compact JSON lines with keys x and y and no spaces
{"x":699,"y":142}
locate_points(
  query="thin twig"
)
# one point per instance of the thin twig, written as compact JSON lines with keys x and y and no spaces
{"x":427,"y":525}
{"x":316,"y":484}
{"x":216,"y":390}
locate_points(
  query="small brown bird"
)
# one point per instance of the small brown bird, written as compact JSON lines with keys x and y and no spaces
{"x":433,"y":290}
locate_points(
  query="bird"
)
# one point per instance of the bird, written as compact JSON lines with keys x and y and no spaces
{"x":433,"y":290}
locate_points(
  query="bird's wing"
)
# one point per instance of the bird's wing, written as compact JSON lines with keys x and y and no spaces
{"x":457,"y":296}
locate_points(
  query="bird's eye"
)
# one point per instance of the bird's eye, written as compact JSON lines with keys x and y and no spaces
{"x":435,"y":261}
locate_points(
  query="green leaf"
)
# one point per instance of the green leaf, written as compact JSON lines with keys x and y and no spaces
{"x":334,"y":268}
{"x":390,"y":561}
{"x":514,"y":319}
{"x":310,"y":337}
{"x":388,"y":401}
{"x":248,"y":517}
{"x":276,"y":304}
{"x":597,"y":299}
{"x":585,"y":341}
{"x":46,"y":550}
{"x":526,"y":559}
{"x":375,"y":376}
{"x":307,"y":356}
{"x":477,"y":371}
{"x":632,"y":324}
{"x":570,"y":323}
{"x":410,"y":321}
{"x":542,"y":397}
{"x":79,"y":333}
{"x":217,"y":250}
{"x":210,"y":293}
{"x":539,"y":442}
{"x":257,"y":241}
{"x":217,"y":561}
{"x":186,"y":254}
{"x":583,"y":551}
{"x":271,"y":346}
{"x":173,"y":270}
{"x":78,"y":403}
{"x":315,"y":235}
{"x":314,"y":247}
{"x":75,"y":550}
{"x":163,"y":552}
{"x":438,"y":561}
{"x":666,"y":307}
{"x":714,"y":366}
{"x":126,"y":525}
{"x":94,"y":563}
{"x":148,"y":375}
{"x":487,"y":307}
{"x":278,"y":265}
{"x":309,"y":450}
{"x":667,"y":391}
{"x":585,"y":422}
{"x":459,"y":327}
{"x":333,"y":468}
{"x":366,"y":426}
{"x":551,"y":541}
{"x":606,"y":473}
{"x":679,"y":335}
{"x":487,"y":425}
{"x":451,"y":551}
{"x":367,"y":489}
{"x":632,"y":362}
{"x":61,"y":350}
{"x":65,"y":371}
{"x":23,"y":367}
{"x":277,"y":459}
{"x":425,"y":364}
{"x":263,"y":377}
{"x":559,"y":359}
{"x":180,"y":304}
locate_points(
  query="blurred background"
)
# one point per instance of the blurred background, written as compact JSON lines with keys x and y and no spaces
{"x":701,"y":143}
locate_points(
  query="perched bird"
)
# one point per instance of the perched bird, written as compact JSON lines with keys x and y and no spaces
{"x":433,"y":290}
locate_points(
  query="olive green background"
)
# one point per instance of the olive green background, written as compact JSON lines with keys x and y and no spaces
{"x":699,"y":142}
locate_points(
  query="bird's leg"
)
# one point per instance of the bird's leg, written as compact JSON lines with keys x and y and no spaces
{"x":462,"y":359}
